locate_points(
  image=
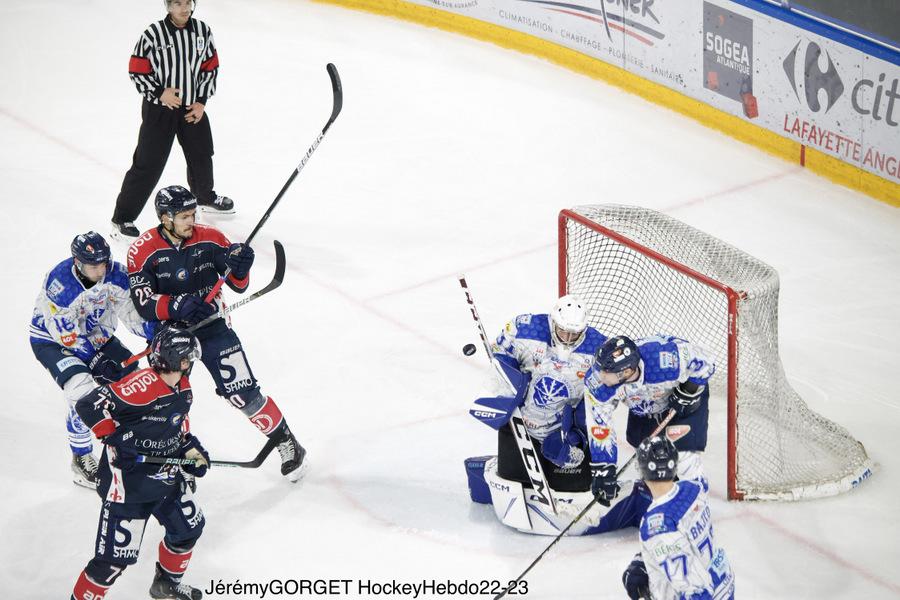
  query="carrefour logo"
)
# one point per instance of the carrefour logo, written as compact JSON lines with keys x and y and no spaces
{"x":814,"y":78}
{"x":875,"y":98}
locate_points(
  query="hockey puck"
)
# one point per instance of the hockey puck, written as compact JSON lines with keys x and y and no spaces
{"x":469,"y":349}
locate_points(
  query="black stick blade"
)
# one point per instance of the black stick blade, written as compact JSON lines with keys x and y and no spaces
{"x":337,"y":93}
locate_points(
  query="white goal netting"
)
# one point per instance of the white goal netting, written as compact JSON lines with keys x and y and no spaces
{"x":641,"y":272}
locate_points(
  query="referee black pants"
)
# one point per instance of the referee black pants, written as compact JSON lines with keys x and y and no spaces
{"x":159,"y":127}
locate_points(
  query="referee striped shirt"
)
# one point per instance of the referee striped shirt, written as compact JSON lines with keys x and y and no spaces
{"x":170,"y":57}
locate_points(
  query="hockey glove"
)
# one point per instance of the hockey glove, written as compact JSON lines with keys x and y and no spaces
{"x":636,"y":580}
{"x":685,"y":399}
{"x":106,"y":370}
{"x":190,"y":308}
{"x":193,"y":450}
{"x":603,"y":483}
{"x":239,"y":260}
{"x":557,"y":450}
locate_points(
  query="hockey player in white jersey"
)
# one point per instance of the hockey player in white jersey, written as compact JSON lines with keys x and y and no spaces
{"x":553,"y":351}
{"x":679,"y":558}
{"x":72,"y":330}
{"x":650,"y":376}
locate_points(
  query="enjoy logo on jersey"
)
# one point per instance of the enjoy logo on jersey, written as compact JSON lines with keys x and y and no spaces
{"x":137,"y":384}
{"x":548,"y":390}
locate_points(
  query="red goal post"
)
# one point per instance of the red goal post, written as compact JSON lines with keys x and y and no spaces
{"x":641,"y":272}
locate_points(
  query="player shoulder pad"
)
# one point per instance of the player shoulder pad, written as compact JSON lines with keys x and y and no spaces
{"x":660,"y":357}
{"x":61,"y":285}
{"x":533,"y":327}
{"x":140,"y":388}
{"x":118,"y":275}
{"x":597,"y":390}
{"x":143,"y":248}
{"x":655,"y":522}
{"x":671,"y":512}
{"x":593,"y":340}
{"x":207,"y":233}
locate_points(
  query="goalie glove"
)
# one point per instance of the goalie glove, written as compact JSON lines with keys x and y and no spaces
{"x":560,"y":452}
{"x":685,"y":399}
{"x":603,"y":482}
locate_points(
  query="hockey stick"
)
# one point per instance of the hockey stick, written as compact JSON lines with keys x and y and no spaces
{"x":250,"y":464}
{"x":337,"y":103}
{"x":527,"y":450}
{"x":584,"y":511}
{"x":280,"y":264}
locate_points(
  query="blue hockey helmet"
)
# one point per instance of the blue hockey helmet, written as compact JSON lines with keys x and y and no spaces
{"x":170,"y":346}
{"x":91,"y":249}
{"x":617,"y":354}
{"x":657,"y":459}
{"x":174,"y":199}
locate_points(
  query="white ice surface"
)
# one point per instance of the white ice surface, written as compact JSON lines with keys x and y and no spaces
{"x":451,"y":156}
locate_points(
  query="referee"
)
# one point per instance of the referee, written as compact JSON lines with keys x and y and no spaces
{"x":174,"y":68}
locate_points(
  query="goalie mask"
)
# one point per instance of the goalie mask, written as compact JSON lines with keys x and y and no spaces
{"x":657,"y":459}
{"x":568,"y":321}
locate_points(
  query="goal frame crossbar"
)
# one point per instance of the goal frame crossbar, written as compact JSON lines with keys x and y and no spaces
{"x":732,"y":296}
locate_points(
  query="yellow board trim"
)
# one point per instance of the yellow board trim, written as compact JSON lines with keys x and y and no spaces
{"x":816,"y":161}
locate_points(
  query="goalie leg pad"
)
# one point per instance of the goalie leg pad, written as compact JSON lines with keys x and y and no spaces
{"x":507,"y":498}
{"x":478,"y":487}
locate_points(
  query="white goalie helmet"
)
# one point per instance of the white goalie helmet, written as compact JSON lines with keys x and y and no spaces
{"x":569,"y":321}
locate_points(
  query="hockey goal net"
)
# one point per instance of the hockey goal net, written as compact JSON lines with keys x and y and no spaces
{"x":641,"y":272}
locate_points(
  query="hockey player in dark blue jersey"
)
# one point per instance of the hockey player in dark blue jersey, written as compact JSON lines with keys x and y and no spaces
{"x":679,"y":558}
{"x":171,"y":269}
{"x":146,"y":414}
{"x":72,"y":333}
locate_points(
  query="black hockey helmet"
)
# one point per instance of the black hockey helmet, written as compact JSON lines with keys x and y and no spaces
{"x":170,"y":346}
{"x":174,"y":199}
{"x":617,"y":354}
{"x":657,"y":459}
{"x":90,"y":249}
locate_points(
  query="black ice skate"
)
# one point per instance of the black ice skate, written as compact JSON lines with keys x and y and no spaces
{"x":84,"y":470}
{"x":222,"y":205}
{"x":164,"y":588}
{"x":292,"y":455}
{"x":124,"y":231}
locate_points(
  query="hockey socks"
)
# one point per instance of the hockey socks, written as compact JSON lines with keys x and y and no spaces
{"x":173,"y":561}
{"x":268,"y":419}
{"x":87,"y":589}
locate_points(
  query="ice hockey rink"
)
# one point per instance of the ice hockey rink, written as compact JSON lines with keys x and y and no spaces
{"x":451,"y":156}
